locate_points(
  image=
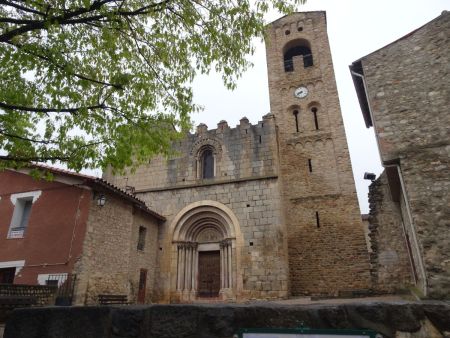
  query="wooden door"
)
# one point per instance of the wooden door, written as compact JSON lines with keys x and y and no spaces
{"x":208,"y":273}
{"x":142,"y":286}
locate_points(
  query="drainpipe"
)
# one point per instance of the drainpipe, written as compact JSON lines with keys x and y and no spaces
{"x":416,"y":243}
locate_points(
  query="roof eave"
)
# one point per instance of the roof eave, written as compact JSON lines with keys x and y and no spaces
{"x":357,"y":74}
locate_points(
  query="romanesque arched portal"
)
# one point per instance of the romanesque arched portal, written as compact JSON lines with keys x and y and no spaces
{"x":204,"y":244}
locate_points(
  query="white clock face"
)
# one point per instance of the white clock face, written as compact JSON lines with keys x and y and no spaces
{"x":301,"y":92}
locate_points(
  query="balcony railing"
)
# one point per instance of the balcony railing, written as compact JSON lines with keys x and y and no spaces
{"x":17,"y":232}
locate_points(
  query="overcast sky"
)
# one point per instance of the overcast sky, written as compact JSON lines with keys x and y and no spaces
{"x":355,"y":29}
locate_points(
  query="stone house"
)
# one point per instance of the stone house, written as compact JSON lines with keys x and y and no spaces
{"x":76,"y":224}
{"x":403,"y":91}
{"x":267,"y":210}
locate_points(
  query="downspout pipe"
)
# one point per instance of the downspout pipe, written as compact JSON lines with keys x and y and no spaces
{"x":413,"y":232}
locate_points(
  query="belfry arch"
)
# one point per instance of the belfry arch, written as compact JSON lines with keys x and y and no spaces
{"x":205,"y":256}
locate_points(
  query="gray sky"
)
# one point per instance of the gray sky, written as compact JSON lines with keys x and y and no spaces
{"x":355,"y":29}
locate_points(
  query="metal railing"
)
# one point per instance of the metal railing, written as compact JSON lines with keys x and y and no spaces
{"x":66,"y":286}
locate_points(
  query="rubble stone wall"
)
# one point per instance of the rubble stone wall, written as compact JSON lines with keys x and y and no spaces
{"x":391,"y":268}
{"x":389,"y":320}
{"x":109,"y":263}
{"x":409,"y":96}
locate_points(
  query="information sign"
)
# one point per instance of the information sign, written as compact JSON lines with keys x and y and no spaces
{"x":305,"y":333}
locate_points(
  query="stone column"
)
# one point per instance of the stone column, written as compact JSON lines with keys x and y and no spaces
{"x":229,"y":264}
{"x":222,"y":269}
{"x":188,"y":266}
{"x":225,"y":265}
{"x":178,"y":267}
{"x":183,"y":266}
{"x":194,"y":267}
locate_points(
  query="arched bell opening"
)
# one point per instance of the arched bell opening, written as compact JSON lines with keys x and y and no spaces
{"x":297,"y":48}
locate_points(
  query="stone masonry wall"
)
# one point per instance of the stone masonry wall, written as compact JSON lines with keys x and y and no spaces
{"x":427,"y":179}
{"x":389,"y":320}
{"x":109,"y":263}
{"x":256,"y":205}
{"x":143,"y":259}
{"x":242,"y":152}
{"x":408,"y":89}
{"x":390,"y":265}
{"x":327,"y":249}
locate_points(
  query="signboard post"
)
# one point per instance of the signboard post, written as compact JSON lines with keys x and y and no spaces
{"x":306,"y":333}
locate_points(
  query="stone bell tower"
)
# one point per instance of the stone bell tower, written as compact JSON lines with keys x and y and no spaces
{"x":326,"y":247}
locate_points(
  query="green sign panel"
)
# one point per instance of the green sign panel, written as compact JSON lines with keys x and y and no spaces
{"x":305,"y":333}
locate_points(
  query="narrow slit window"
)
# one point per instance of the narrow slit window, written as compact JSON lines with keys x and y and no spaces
{"x":260,"y":139}
{"x":310,"y":165}
{"x":317,"y":219}
{"x":141,"y":238}
{"x":316,"y":122}
{"x":296,"y":120}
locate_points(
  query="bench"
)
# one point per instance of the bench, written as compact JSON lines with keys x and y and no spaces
{"x":112,"y":299}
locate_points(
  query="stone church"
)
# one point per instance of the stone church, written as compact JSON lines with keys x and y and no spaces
{"x":267,"y":210}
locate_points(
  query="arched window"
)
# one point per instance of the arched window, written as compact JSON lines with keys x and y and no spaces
{"x":297,"y":48}
{"x":207,"y":162}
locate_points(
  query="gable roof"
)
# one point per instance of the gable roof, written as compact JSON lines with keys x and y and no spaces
{"x":100,"y":183}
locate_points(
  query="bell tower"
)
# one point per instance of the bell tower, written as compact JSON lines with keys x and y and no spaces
{"x":326,"y":245}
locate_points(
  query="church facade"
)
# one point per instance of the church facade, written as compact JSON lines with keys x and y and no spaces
{"x":267,"y":210}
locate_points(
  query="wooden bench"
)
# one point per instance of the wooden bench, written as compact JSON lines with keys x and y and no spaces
{"x":112,"y":299}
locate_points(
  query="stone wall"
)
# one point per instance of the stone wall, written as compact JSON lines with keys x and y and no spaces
{"x":427,"y":179}
{"x":291,"y":191}
{"x":327,"y":249}
{"x":391,"y":268}
{"x":242,"y":152}
{"x":409,"y":97}
{"x":145,"y":258}
{"x":408,"y":90}
{"x":390,"y":320}
{"x":109,"y":263}
{"x":260,"y":249}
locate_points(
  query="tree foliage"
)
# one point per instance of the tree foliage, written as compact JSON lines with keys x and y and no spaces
{"x":95,"y":82}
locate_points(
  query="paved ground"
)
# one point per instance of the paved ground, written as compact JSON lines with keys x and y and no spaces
{"x":307,"y":300}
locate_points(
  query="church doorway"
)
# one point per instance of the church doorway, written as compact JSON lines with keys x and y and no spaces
{"x":208,"y":273}
{"x":204,"y":247}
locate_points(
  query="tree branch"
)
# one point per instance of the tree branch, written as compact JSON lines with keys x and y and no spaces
{"x":68,"y":18}
{"x":58,"y":19}
{"x":2,"y":132}
{"x":20,"y":7}
{"x":48,"y":110}
{"x":33,"y":159}
{"x":80,"y":76}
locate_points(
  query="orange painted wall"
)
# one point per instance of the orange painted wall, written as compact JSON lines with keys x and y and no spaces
{"x":54,"y":236}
